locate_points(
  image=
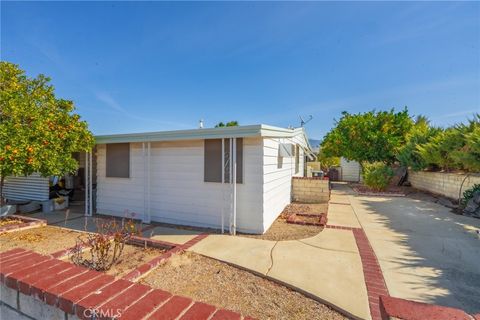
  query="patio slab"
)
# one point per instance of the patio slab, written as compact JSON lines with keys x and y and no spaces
{"x":342,"y":215}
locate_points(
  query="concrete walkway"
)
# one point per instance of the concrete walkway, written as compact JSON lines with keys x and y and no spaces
{"x":426,"y":253}
{"x":327,"y":267}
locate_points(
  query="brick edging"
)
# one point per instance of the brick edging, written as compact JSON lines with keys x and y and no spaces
{"x":378,"y":194}
{"x":372,"y":273}
{"x":74,"y":289}
{"x":142,"y":270}
{"x":412,"y":310}
{"x":27,"y":223}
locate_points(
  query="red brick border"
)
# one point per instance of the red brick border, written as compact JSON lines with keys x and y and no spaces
{"x":152,"y":264}
{"x":378,"y":194}
{"x":372,"y":273}
{"x":411,"y":310}
{"x":27,"y":223}
{"x":75,"y":290}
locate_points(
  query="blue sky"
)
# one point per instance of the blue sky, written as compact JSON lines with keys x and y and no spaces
{"x":147,"y":66}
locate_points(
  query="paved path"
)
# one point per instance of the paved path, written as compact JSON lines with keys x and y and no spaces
{"x":327,"y":267}
{"x":426,"y":253}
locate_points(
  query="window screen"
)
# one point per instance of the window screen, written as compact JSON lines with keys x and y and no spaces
{"x":213,"y":160}
{"x":118,"y":160}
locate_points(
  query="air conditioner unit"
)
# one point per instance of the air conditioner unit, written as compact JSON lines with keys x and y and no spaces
{"x":286,"y":150}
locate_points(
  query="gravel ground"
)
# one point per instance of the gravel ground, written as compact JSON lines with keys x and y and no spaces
{"x":210,"y":281}
{"x":281,"y":230}
{"x":44,"y":240}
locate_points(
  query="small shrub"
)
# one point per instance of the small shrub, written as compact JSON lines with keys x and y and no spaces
{"x":377,"y":175}
{"x":468,"y":194}
{"x":105,"y":246}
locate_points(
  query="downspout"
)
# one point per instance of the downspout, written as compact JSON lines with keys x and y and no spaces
{"x":234,"y":186}
{"x":223,"y":184}
{"x":230,"y":180}
{"x":149,"y":153}
{"x":86,"y":183}
{"x":144,"y":183}
{"x":90,"y":186}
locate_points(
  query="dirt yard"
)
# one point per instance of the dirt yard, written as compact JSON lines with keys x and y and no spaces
{"x":131,"y":258}
{"x":44,"y":240}
{"x":281,"y":230}
{"x":210,"y":281}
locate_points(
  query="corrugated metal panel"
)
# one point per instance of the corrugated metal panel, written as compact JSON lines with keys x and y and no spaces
{"x":32,"y":187}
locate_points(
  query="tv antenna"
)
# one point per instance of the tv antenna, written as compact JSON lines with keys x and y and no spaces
{"x":304,"y":122}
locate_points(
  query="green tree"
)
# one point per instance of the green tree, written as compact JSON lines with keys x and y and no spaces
{"x":368,"y":137}
{"x":228,"y":124}
{"x":456,"y":147}
{"x":421,"y":133}
{"x":327,"y":162}
{"x":38,"y":131}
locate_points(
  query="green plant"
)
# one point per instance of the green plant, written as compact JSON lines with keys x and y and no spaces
{"x":468,"y":194}
{"x":38,"y":131}
{"x":469,"y":154}
{"x":368,"y":137}
{"x":421,"y":133}
{"x":377,"y":175}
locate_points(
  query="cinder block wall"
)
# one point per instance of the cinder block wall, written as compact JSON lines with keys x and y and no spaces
{"x":310,"y":190}
{"x":445,"y":184}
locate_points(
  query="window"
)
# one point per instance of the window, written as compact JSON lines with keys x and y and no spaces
{"x":118,"y":160}
{"x":297,"y":159}
{"x":213,"y":160}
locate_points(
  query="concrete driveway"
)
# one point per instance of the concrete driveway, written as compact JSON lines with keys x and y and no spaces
{"x":426,"y":253}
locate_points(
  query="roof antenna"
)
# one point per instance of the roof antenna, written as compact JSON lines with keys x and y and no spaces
{"x":200,"y":124}
{"x":304,"y":122}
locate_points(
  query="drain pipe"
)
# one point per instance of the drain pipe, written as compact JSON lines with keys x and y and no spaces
{"x":86,"y":183}
{"x":223,"y":185}
{"x":234,"y":147}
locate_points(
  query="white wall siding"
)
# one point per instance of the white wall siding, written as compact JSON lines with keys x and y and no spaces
{"x":33,"y":187}
{"x":277,"y":182}
{"x":350,"y":170}
{"x":178,"y":192}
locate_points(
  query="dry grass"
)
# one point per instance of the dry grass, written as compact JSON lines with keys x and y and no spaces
{"x":210,"y":281}
{"x":6,"y":221}
{"x":44,"y":240}
{"x":281,"y":230}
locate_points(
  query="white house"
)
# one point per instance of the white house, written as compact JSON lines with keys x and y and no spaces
{"x":183,"y":177}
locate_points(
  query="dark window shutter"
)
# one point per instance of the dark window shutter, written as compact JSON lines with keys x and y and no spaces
{"x":118,"y":160}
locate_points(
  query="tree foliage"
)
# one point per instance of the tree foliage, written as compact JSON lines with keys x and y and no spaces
{"x":377,"y":175}
{"x":421,"y":133}
{"x":327,"y":162}
{"x":368,"y":137}
{"x":228,"y":124}
{"x":38,"y":131}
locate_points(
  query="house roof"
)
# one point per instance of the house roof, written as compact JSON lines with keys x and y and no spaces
{"x":258,"y":130}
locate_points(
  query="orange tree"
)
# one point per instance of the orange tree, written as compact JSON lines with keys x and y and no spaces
{"x":38,"y":131}
{"x":374,"y":136}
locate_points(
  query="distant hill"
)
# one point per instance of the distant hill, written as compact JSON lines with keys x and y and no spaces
{"x":315,"y":143}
